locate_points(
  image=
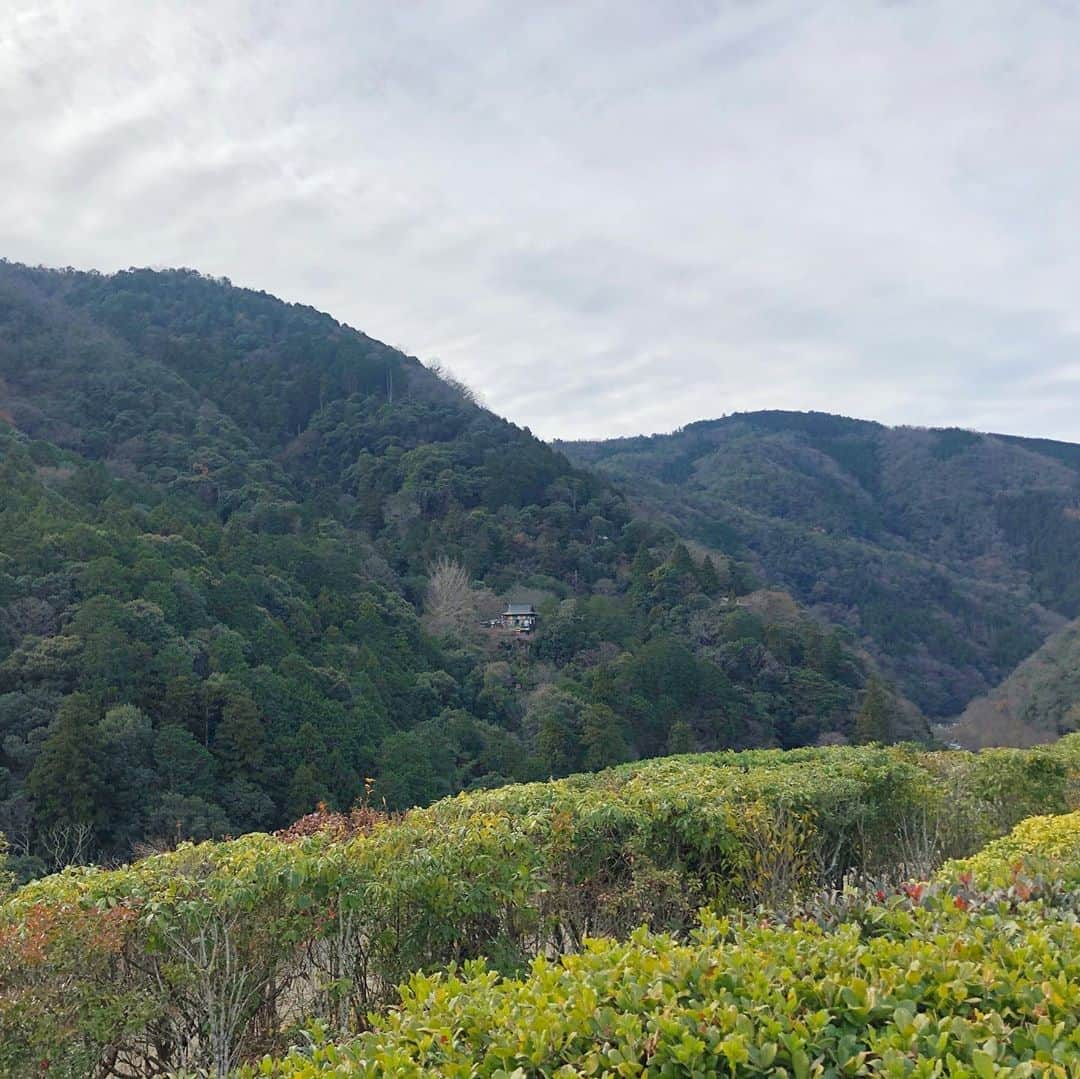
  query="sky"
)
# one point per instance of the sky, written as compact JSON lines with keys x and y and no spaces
{"x":606,"y":218}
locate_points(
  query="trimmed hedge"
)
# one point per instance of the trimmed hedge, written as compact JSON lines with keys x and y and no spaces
{"x":939,"y":982}
{"x":209,"y":955}
{"x":1030,"y":847}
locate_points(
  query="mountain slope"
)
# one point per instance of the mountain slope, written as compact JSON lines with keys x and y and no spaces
{"x":223,"y":519}
{"x":950,"y":554}
{"x":1038,"y":702}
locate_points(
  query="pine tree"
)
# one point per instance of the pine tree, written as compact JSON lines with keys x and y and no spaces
{"x":874,"y":721}
{"x":708,"y":578}
{"x":682,"y":565}
{"x":67,"y":780}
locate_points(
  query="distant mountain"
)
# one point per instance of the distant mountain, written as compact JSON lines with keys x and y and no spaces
{"x":1038,"y":702}
{"x":950,"y":555}
{"x":246,"y":555}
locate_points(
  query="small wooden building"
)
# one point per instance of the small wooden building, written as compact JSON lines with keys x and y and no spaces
{"x":520,"y":617}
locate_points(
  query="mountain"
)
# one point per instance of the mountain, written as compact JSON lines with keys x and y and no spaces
{"x":1038,"y":702}
{"x":950,"y":555}
{"x":246,"y":555}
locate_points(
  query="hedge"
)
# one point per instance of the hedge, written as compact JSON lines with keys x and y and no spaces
{"x":210,"y":954}
{"x":939,"y":980}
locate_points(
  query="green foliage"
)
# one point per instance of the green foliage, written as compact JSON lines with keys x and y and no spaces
{"x":1038,"y":702}
{"x":935,"y":981}
{"x":204,"y":956}
{"x":932,"y":546}
{"x":67,"y":780}
{"x":874,"y":721}
{"x":1034,"y":842}
{"x":220,"y":514}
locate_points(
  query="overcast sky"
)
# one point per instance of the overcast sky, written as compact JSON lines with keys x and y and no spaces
{"x":608,"y":218}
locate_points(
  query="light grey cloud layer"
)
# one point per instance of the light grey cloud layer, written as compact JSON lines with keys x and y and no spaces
{"x":606,"y":217}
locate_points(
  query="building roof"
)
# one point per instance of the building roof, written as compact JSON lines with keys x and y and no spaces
{"x":520,"y":608}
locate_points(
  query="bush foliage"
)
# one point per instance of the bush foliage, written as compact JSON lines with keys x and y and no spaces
{"x":208,"y":955}
{"x":941,"y":979}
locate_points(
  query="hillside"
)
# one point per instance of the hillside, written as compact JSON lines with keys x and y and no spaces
{"x":1038,"y":702}
{"x":950,"y":555}
{"x":245,"y":554}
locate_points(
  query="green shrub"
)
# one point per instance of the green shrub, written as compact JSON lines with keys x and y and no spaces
{"x":939,"y":979}
{"x":934,"y":991}
{"x":1030,"y":846}
{"x":216,"y":951}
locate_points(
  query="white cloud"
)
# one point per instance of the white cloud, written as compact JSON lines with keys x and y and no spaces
{"x":608,"y":217}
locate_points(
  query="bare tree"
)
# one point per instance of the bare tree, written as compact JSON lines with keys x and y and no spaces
{"x":461,"y":389}
{"x":67,"y":844}
{"x":450,"y":605}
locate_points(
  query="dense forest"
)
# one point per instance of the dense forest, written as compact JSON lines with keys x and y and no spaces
{"x":246,"y":554}
{"x":1038,"y":702}
{"x":949,"y":555}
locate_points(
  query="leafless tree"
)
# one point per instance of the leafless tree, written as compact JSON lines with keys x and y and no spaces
{"x":450,"y":605}
{"x":67,"y":844}
{"x":448,"y":378}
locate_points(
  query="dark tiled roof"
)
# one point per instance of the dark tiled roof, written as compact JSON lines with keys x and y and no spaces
{"x":520,"y":608}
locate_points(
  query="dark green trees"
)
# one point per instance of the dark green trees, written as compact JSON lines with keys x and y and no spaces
{"x":875,"y":720}
{"x":218,"y":530}
{"x":68,"y":779}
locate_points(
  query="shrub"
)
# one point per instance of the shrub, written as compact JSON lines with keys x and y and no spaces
{"x":940,"y":978}
{"x":219,"y":949}
{"x":934,"y":986}
{"x":1028,"y":848}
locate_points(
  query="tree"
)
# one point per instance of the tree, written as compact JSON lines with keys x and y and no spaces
{"x":127,"y":742}
{"x":556,"y":718}
{"x":413,"y":770}
{"x":184,"y":765}
{"x":680,"y":738}
{"x":1071,"y":721}
{"x":7,"y":878}
{"x":708,"y":577}
{"x":306,"y":791}
{"x":67,"y":780}
{"x":449,"y":606}
{"x":240,"y":742}
{"x":681,"y":563}
{"x":640,"y":573}
{"x":603,"y":738}
{"x":875,"y":718}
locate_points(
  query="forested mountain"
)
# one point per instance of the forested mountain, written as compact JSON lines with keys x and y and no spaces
{"x":245,"y":553}
{"x":949,"y":554}
{"x":1038,"y":702}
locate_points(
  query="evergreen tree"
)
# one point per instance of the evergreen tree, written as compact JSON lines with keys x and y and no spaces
{"x":708,"y":577}
{"x":680,"y":738}
{"x":67,"y":780}
{"x":127,"y":741}
{"x":557,"y":717}
{"x":640,"y":574}
{"x":603,"y":738}
{"x":306,"y":791}
{"x":682,"y":565}
{"x":874,"y":720}
{"x":240,"y":743}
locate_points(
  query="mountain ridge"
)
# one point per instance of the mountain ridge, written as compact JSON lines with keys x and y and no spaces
{"x":974,"y":528}
{"x":246,"y":554}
